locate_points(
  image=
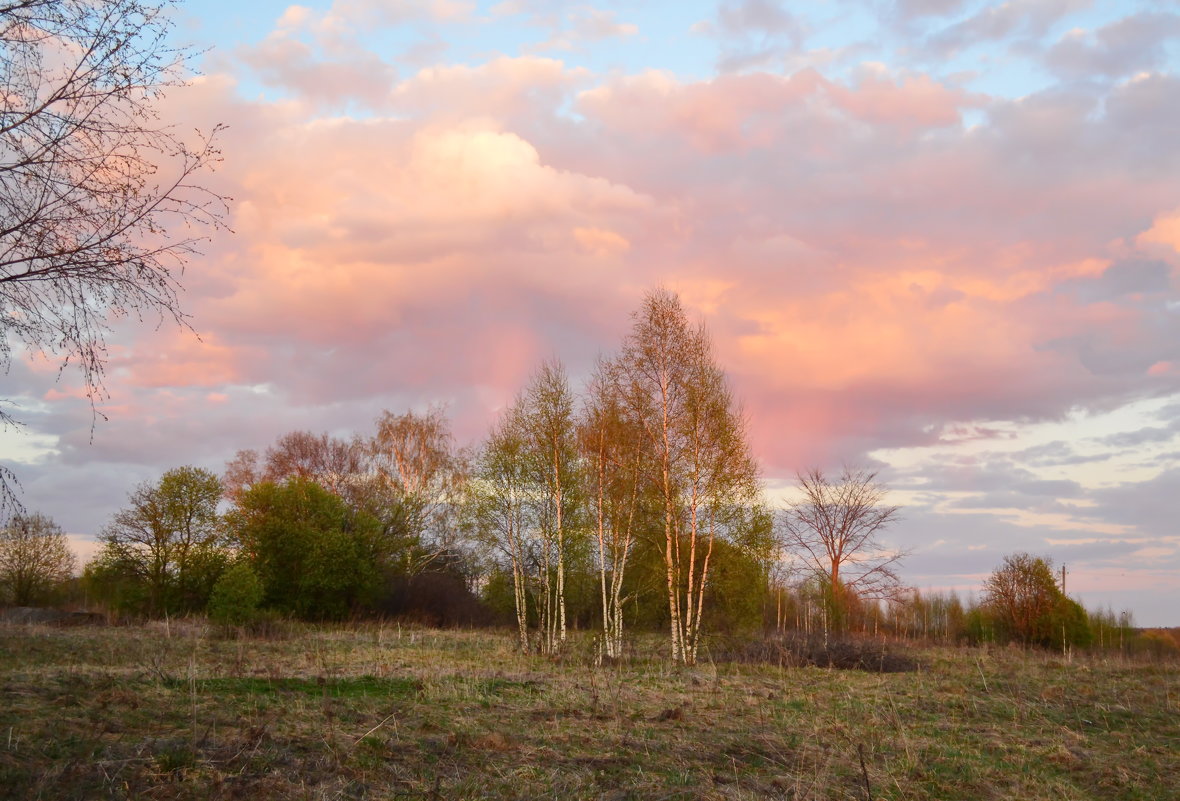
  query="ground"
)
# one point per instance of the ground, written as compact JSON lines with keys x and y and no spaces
{"x":381,"y":712}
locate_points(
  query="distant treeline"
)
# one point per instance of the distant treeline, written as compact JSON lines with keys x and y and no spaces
{"x":294,"y":549}
{"x":944,"y":618}
{"x":634,"y":504}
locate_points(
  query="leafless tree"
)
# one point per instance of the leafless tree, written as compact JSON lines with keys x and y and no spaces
{"x":328,"y":461}
{"x":834,"y":529}
{"x":34,"y":557}
{"x":101,"y":202}
{"x":241,"y":472}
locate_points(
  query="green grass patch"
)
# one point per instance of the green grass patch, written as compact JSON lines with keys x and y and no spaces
{"x":358,"y":687}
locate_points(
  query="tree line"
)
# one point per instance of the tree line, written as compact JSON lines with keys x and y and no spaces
{"x":635,"y":503}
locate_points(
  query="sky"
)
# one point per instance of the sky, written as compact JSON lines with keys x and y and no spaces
{"x":935,"y":237}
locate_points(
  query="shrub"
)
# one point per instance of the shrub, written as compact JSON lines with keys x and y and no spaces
{"x":235,"y":597}
{"x":315,"y":556}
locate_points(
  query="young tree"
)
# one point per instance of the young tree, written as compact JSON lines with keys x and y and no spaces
{"x":699,"y":460}
{"x":1023,"y":598}
{"x":236,"y":596}
{"x":500,"y":509}
{"x":613,"y":452}
{"x":168,"y":538}
{"x":551,"y":444}
{"x":100,"y":206}
{"x":525,"y":499}
{"x":834,"y":529}
{"x":34,"y":559}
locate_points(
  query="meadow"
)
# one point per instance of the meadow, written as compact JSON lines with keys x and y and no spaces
{"x":180,"y":711}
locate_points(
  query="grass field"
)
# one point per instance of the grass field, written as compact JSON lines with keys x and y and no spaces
{"x":383,"y":713}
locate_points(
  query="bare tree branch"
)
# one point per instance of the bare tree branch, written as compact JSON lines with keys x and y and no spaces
{"x":100,"y":202}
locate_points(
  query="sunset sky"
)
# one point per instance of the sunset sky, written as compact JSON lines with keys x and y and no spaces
{"x":940,"y":238}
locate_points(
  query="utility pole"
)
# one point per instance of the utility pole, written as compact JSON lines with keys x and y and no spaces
{"x":1063,"y":579}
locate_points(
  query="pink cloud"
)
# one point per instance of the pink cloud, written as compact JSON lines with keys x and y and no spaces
{"x":505,"y":89}
{"x":294,"y":65}
{"x":914,"y":102}
{"x":871,"y":270}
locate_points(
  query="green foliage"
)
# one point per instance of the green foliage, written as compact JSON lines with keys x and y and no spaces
{"x":979,"y":626}
{"x":113,"y":580}
{"x":236,"y":596}
{"x":189,"y":498}
{"x":316,"y":557}
{"x":499,"y":597}
{"x":1021,"y":594}
{"x":1068,"y":625}
{"x":164,"y":549}
{"x":582,"y":594}
{"x":737,"y":586}
{"x":645,"y":588}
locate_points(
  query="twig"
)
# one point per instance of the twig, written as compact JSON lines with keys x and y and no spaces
{"x":370,"y":731}
{"x":980,"y":668}
{"x":864,"y":772}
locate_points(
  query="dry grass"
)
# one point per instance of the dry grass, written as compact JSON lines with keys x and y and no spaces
{"x":382,"y":713}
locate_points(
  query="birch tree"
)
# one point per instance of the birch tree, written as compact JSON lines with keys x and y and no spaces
{"x":101,"y":202}
{"x":498,"y":503}
{"x":699,"y":460}
{"x":547,"y":415}
{"x":417,"y":469}
{"x":612,"y":449}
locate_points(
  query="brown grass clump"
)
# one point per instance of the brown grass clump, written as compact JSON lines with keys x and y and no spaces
{"x":799,"y":650}
{"x":378,"y":712}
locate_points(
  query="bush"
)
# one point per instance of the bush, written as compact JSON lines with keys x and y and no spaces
{"x":236,"y":596}
{"x":315,"y":556}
